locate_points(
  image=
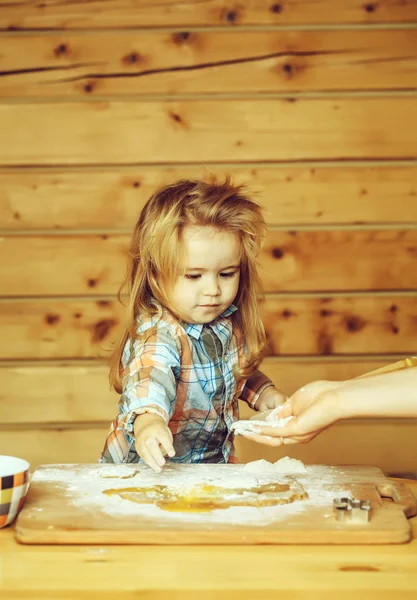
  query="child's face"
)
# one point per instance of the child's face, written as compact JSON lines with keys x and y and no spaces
{"x":209,"y":278}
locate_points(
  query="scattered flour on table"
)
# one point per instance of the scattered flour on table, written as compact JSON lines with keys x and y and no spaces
{"x":85,"y":485}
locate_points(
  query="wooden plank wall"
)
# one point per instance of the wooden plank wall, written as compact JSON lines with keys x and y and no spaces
{"x":313,"y":105}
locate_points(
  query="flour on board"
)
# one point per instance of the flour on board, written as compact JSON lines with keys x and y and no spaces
{"x":85,"y":485}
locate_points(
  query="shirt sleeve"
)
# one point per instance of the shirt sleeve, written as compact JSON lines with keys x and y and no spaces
{"x":150,"y":371}
{"x":149,"y":378}
{"x":254,"y":388}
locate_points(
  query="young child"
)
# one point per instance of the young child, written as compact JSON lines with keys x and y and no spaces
{"x":194,"y":337}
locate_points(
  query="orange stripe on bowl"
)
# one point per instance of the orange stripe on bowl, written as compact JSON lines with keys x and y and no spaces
{"x":19,"y":479}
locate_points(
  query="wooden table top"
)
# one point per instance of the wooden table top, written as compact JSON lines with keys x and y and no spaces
{"x":203,"y":572}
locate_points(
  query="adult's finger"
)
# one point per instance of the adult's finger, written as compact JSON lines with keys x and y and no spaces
{"x":268,"y":440}
{"x":291,"y":429}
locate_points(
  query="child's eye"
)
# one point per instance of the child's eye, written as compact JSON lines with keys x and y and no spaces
{"x":230,"y":274}
{"x":196,"y":276}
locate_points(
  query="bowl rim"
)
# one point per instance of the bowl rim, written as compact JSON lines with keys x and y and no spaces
{"x":12,"y":465}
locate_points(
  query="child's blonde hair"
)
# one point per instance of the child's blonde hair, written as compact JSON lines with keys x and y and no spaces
{"x":155,"y":254}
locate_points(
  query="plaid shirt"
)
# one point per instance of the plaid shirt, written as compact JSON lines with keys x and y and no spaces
{"x":184,"y":373}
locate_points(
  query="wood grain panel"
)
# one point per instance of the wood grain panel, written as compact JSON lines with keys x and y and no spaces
{"x":53,"y":328}
{"x":72,"y":14}
{"x":58,"y":445}
{"x":78,"y":393}
{"x":112,"y":199}
{"x":208,"y":130}
{"x":63,"y":393}
{"x":114,"y":63}
{"x":341,"y":325}
{"x":54,"y":266}
{"x":374,"y":441}
{"x":317,"y":260}
{"x":291,"y":374}
{"x":339,"y":260}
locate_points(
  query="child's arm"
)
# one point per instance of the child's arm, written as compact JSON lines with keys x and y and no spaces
{"x":149,"y":394}
{"x":261,"y":394}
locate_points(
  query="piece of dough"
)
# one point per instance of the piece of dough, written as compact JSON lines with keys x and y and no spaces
{"x":118,"y":472}
{"x":248,"y":425}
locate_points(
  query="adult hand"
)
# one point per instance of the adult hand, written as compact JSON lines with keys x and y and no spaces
{"x":313,"y":408}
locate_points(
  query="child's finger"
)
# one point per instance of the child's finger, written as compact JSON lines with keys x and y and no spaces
{"x":166,"y":446}
{"x":150,"y":461}
{"x":152,"y":454}
{"x":165,"y":440}
{"x":283,"y":398}
{"x":153,"y":445}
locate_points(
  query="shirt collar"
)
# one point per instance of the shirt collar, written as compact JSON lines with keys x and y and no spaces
{"x":195,"y":329}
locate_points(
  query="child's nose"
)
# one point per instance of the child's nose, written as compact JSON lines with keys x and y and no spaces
{"x":212,"y":287}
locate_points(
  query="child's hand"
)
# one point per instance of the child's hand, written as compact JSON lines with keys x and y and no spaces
{"x":270,"y":399}
{"x":153,"y":440}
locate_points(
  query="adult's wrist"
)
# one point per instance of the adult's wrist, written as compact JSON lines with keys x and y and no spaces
{"x":335,"y":404}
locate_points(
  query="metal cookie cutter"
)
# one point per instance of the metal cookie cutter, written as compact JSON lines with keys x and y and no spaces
{"x":351,"y":509}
